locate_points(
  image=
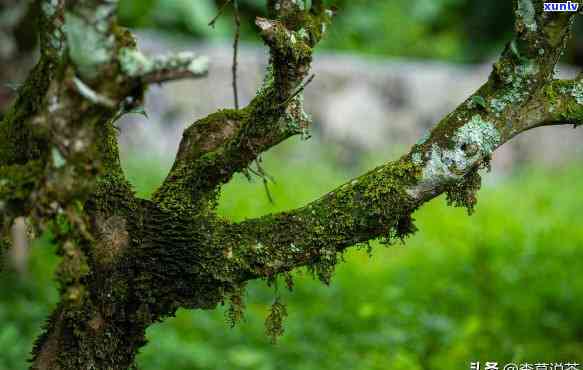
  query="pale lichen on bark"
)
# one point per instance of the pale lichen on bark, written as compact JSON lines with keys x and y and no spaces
{"x":163,"y":67}
{"x":472,"y":142}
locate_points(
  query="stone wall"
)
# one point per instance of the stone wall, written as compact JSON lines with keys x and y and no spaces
{"x":359,"y":105}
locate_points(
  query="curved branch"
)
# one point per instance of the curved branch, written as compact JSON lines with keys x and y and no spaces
{"x":213,"y":149}
{"x":519,"y":95}
{"x":380,"y":203}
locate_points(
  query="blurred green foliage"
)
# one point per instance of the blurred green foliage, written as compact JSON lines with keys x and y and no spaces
{"x":450,"y":30}
{"x":456,"y":30}
{"x":187,"y":16}
{"x":504,"y":284}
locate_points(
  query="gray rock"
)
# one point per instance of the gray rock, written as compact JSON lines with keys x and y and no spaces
{"x":358,"y":103}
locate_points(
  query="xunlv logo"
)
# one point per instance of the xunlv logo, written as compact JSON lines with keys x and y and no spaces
{"x":561,"y":7}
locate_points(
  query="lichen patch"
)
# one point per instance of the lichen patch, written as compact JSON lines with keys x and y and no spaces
{"x":471,"y":143}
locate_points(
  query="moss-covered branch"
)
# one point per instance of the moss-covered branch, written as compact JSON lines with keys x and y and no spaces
{"x":519,"y":95}
{"x":162,"y":68}
{"x":213,"y":149}
{"x":380,"y":204}
{"x":564,"y":100}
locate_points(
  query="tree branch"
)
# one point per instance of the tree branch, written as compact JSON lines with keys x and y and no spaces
{"x":380,"y":203}
{"x":89,"y":73}
{"x":162,"y":68}
{"x":519,"y":95}
{"x":218,"y":146}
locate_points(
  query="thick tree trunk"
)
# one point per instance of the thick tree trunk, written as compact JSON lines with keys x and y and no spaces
{"x":81,"y":338}
{"x":145,"y":263}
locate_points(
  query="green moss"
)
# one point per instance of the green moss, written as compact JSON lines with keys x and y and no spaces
{"x":72,"y":269}
{"x":551,"y":91}
{"x":19,"y":143}
{"x":17,"y":181}
{"x":574,"y":113}
{"x":274,"y":321}
{"x":375,"y":201}
{"x":236,"y":310}
{"x":181,"y":191}
{"x":566,"y":97}
{"x":478,"y":101}
{"x":463,"y":193}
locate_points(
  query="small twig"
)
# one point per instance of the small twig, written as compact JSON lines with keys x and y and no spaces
{"x":13,"y":86}
{"x":91,"y":95}
{"x":262,"y":171}
{"x":221,"y":10}
{"x":266,"y":186}
{"x":297,"y":92}
{"x":265,"y":177}
{"x":246,"y":173}
{"x":237,"y":20}
{"x":254,"y":172}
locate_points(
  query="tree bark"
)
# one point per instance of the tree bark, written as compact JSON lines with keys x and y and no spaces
{"x":128,"y":262}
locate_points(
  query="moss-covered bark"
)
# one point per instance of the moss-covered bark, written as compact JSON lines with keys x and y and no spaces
{"x":128,"y":262}
{"x":215,"y":148}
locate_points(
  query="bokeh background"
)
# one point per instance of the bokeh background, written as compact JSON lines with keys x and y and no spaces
{"x":505,"y":284}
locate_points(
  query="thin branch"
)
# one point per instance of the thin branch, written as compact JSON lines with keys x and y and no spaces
{"x":237,"y":19}
{"x":162,"y":68}
{"x":265,"y":178}
{"x":297,"y":92}
{"x":92,"y":95}
{"x":221,"y":10}
{"x":213,"y":149}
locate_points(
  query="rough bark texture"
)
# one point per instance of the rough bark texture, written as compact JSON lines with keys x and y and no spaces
{"x":129,"y":262}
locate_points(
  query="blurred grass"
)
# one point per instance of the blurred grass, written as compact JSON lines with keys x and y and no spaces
{"x":504,"y":284}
